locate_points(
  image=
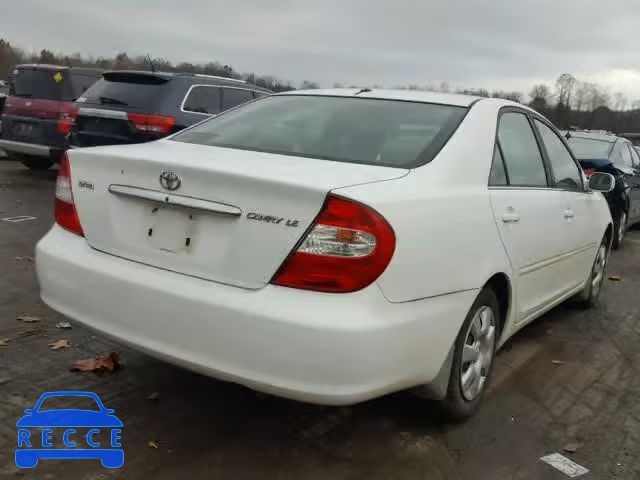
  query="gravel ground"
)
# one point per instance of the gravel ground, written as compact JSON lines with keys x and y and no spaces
{"x":571,"y":377}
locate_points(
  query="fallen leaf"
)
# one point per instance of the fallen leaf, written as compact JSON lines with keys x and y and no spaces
{"x":64,"y":325}
{"x":106,"y":362}
{"x":572,"y":447}
{"x":615,"y":278}
{"x":4,"y":342}
{"x":558,"y":362}
{"x":28,"y":318}
{"x":152,"y":443}
{"x":58,"y":344}
{"x":153,"y":396}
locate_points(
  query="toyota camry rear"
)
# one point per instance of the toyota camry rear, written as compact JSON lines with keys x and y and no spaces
{"x":324,"y":246}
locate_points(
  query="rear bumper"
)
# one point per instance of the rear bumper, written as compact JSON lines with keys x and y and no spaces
{"x":321,"y":348}
{"x":27,"y":148}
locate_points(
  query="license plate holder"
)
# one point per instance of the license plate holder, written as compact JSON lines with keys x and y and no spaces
{"x":26,"y":129}
{"x":170,"y":229}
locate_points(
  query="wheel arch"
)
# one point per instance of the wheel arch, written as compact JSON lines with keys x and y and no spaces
{"x":609,"y":233}
{"x":501,"y":286}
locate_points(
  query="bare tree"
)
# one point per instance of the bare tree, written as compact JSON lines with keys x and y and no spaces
{"x":540,"y":91}
{"x":564,"y":86}
{"x":620,"y":101}
{"x":581,"y":95}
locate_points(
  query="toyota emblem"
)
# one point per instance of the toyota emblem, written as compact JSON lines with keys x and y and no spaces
{"x":170,"y":180}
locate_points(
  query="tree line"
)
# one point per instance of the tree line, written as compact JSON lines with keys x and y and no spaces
{"x":10,"y":56}
{"x":569,"y":103}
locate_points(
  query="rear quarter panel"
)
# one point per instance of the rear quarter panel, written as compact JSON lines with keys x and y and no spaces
{"x":446,"y":236}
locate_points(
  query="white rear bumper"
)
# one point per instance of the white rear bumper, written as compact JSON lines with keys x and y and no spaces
{"x":316,"y":347}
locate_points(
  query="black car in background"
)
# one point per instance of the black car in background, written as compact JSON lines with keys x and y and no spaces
{"x":39,"y":111}
{"x":601,"y":152}
{"x":127,"y":106}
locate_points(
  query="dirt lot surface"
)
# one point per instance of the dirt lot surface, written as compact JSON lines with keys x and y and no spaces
{"x":570,"y":378}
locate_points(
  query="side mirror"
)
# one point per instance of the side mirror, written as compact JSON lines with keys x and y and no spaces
{"x":601,"y":182}
{"x":29,"y":411}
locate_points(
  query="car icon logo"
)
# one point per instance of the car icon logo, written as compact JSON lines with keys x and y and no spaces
{"x":69,"y":426}
{"x":170,"y":180}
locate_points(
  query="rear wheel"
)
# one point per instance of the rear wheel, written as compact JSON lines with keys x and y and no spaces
{"x":474,"y":352}
{"x":620,"y":228}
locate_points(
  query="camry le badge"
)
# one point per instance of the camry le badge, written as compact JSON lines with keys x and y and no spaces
{"x":169,"y":180}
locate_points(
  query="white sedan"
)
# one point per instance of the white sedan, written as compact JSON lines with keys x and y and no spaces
{"x":331,"y":246}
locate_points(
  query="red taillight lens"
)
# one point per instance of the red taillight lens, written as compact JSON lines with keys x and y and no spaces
{"x":589,"y":171}
{"x":66,"y":121}
{"x":347,"y":248}
{"x":65,"y":209}
{"x":152,"y":123}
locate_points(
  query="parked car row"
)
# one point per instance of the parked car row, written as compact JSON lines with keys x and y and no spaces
{"x":598,"y":152}
{"x":51,"y":108}
{"x":329,"y":246}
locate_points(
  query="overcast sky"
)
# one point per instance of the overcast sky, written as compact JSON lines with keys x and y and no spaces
{"x":495,"y":44}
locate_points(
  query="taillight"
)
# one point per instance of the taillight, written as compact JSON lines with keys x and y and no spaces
{"x":66,"y":121}
{"x":152,"y":123}
{"x":65,"y":209}
{"x":346,"y":249}
{"x":589,"y":171}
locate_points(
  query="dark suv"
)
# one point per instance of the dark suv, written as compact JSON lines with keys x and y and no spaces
{"x":127,"y":106}
{"x":39,"y":111}
{"x":602,"y":152}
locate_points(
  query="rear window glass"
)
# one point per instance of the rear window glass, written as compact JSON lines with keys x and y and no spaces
{"x":588,"y":148}
{"x":45,"y":84}
{"x":136,"y":91}
{"x":354,"y":130}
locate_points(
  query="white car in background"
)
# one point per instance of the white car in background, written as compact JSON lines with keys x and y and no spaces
{"x":331,"y":246}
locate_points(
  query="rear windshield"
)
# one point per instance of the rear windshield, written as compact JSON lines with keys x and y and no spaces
{"x":142,"y":92}
{"x":44,"y":84}
{"x":590,"y":148}
{"x":345,"y":129}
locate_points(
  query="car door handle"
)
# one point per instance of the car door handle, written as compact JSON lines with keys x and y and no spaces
{"x":510,"y":217}
{"x":569,"y":213}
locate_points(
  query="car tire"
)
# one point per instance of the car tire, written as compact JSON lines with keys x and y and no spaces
{"x":589,"y":295}
{"x":36,"y":163}
{"x":470,"y":375}
{"x":620,"y":221}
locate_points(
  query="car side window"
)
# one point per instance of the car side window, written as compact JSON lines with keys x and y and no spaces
{"x":626,"y":157}
{"x":565,"y":171}
{"x":621,"y":157}
{"x":635,"y":158}
{"x":498,"y":175}
{"x":232,"y":97}
{"x":203,"y":99}
{"x":522,"y":157}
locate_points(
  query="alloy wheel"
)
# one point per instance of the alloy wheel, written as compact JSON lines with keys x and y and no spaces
{"x":622,"y":226}
{"x":598,"y":271}
{"x":477,"y":353}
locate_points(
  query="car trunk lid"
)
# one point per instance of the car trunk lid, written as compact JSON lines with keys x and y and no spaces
{"x":233,"y":215}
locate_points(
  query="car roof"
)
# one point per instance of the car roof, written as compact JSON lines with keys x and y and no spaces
{"x":58,"y":68}
{"x":455,"y":99}
{"x":193,"y":78}
{"x":603,"y":137}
